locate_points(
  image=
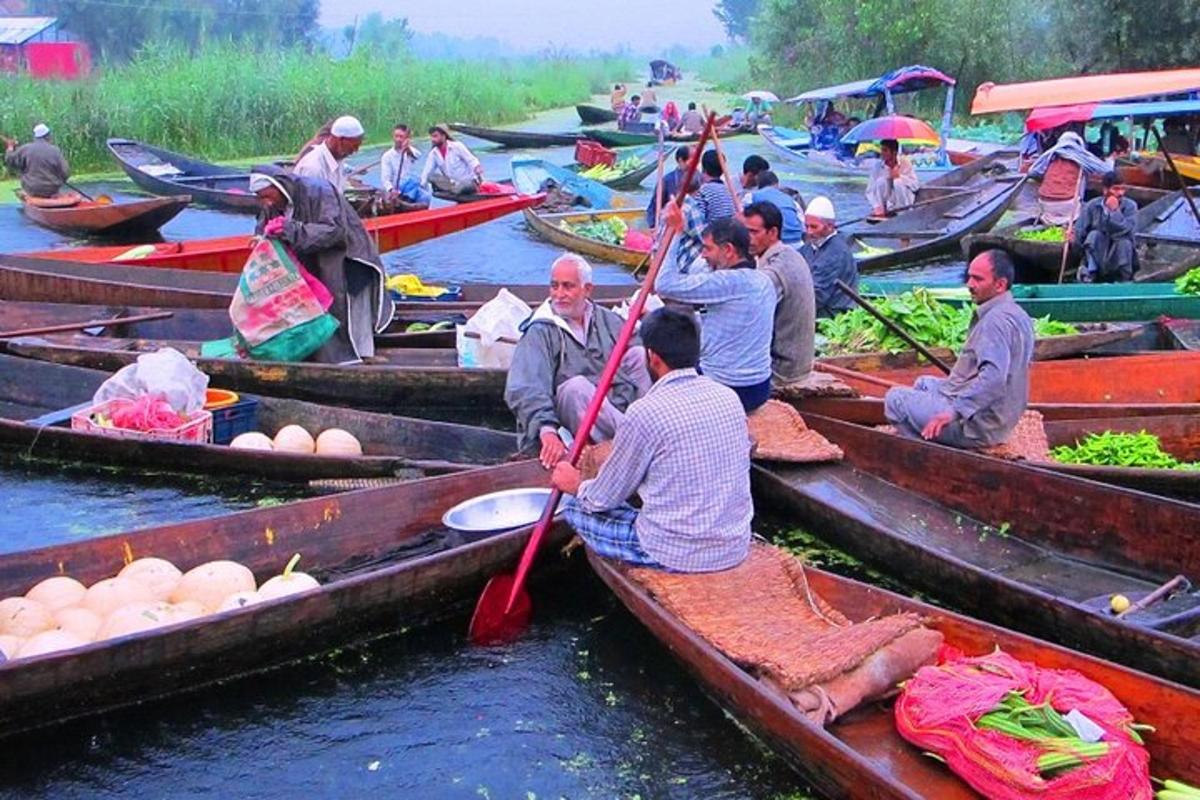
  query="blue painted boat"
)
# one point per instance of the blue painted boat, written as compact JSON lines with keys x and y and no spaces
{"x":529,"y":174}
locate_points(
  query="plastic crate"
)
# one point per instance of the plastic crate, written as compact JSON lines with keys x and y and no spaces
{"x":198,"y":429}
{"x":589,"y":154}
{"x":234,"y":419}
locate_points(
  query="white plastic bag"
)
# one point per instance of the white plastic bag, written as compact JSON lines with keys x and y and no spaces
{"x":166,"y":372}
{"x":498,"y":318}
{"x":653,"y":303}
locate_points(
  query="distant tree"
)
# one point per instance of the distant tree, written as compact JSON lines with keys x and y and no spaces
{"x":736,"y":17}
{"x":1105,"y":35}
{"x":386,"y":37}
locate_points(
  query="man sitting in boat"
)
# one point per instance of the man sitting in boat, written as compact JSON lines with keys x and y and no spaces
{"x":986,"y":393}
{"x":828,"y":255}
{"x":893,"y":182}
{"x":324,"y":161}
{"x":792,"y":339}
{"x":827,"y":127}
{"x":649,"y":99}
{"x":769,"y":191}
{"x":321,"y":228}
{"x":1062,"y":180}
{"x":631,"y":113}
{"x":684,"y":449}
{"x":563,"y":349}
{"x":450,"y":167}
{"x":39,"y":163}
{"x":737,"y":305}
{"x":398,"y":171}
{"x":671,"y":183}
{"x":1104,"y":231}
{"x":692,"y":121}
{"x":1176,"y":139}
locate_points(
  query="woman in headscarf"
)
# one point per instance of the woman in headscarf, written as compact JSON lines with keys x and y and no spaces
{"x":321,"y":228}
{"x":671,"y":116}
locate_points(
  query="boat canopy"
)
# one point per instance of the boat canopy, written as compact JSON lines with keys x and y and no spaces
{"x":898,"y":81}
{"x":991,"y":97}
{"x":1041,"y":119}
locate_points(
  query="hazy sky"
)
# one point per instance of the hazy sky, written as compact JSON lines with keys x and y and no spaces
{"x":583,"y":25}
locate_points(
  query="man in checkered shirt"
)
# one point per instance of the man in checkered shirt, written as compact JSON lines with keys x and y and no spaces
{"x":684,"y":449}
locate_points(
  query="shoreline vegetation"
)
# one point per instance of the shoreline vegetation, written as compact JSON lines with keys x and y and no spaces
{"x":231,"y":102}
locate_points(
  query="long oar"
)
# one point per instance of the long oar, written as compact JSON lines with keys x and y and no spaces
{"x":1171,"y":162}
{"x":728,"y":178}
{"x":893,"y":327}
{"x":78,"y":326}
{"x":102,"y":199}
{"x":1062,"y":266}
{"x":658,"y":187}
{"x":503,"y":610}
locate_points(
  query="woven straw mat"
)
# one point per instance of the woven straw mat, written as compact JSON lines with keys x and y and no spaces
{"x":1027,"y":442}
{"x":779,"y":434}
{"x":762,"y":615}
{"x":815,"y":384}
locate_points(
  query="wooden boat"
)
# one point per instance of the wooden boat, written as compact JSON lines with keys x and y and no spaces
{"x":34,"y":396}
{"x":530,"y":176}
{"x":1076,"y":388}
{"x":397,"y":379}
{"x":615,"y":138}
{"x":861,"y":754}
{"x":795,"y":145}
{"x":163,"y":172}
{"x":75,"y":216}
{"x":595,"y":115}
{"x":1068,"y":302}
{"x":229,"y":253}
{"x":629,"y":181}
{"x":522,"y":139}
{"x":546,"y":226}
{"x":954,"y":204}
{"x":1029,"y":549}
{"x":474,"y":197}
{"x":381,"y":555}
{"x":1179,"y":435}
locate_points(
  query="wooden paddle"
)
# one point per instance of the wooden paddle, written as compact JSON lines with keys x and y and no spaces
{"x":503,"y":610}
{"x":658,"y":187}
{"x":1171,"y":163}
{"x":1062,"y":267}
{"x":737,"y":198}
{"x":893,"y":327}
{"x":102,"y":199}
{"x":78,"y":326}
{"x":854,"y":374}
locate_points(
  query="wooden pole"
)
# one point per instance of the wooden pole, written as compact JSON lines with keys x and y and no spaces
{"x":893,"y":327}
{"x":78,"y":326}
{"x":1175,"y":584}
{"x":1070,"y":230}
{"x":1171,"y":162}
{"x":737,"y":199}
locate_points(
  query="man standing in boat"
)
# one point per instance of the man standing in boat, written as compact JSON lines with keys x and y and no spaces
{"x":1105,"y":231}
{"x":40,"y":164}
{"x":980,"y":402}
{"x":450,"y":167}
{"x":684,"y":449}
{"x":893,"y":183}
{"x":324,"y":161}
{"x":563,"y":349}
{"x":829,"y":257}
{"x":322,"y":229}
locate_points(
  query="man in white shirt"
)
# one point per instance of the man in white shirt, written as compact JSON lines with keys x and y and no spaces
{"x":399,"y":163}
{"x":450,"y":167}
{"x":325,"y":159}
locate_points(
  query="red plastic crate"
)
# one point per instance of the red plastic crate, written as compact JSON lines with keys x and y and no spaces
{"x":589,"y":153}
{"x":198,"y":429}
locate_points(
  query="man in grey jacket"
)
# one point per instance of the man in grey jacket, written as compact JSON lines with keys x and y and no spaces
{"x":563,"y":349}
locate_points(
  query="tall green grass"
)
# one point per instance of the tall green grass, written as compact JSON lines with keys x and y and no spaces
{"x":231,"y":102}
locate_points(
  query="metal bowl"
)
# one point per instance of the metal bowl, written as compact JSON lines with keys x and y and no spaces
{"x":498,"y":511}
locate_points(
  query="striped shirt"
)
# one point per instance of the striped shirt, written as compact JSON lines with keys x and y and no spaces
{"x":685,"y":450}
{"x":714,"y":200}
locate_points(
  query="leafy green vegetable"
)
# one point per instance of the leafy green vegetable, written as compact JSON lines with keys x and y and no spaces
{"x":1112,"y":449}
{"x":1189,"y":282}
{"x":919,"y":312}
{"x":610,"y":230}
{"x":1053,"y":233}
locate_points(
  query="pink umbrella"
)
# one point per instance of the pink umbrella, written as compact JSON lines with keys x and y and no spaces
{"x":904,"y":129}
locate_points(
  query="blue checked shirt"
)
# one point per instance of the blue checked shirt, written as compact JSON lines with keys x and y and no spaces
{"x":685,"y":450}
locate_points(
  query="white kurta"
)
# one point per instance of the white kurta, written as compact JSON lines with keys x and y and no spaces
{"x":397,"y":165}
{"x":320,"y":163}
{"x":457,"y":165}
{"x":886,"y":192}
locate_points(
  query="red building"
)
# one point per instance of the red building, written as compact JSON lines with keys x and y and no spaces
{"x":37,"y":46}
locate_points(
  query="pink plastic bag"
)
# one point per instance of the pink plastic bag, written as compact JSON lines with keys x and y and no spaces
{"x":638,"y":240}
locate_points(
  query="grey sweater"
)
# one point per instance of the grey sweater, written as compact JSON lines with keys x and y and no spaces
{"x":795,"y":313}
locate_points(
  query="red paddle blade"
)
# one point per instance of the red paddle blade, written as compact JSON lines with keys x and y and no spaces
{"x":492,"y":623}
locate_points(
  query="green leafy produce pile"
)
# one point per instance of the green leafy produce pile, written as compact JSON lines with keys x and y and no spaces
{"x":929,"y":321}
{"x":1189,"y":282}
{"x":610,"y":230}
{"x":1110,"y":449}
{"x":1052,"y":233}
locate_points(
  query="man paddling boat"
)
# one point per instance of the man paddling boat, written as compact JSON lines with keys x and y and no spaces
{"x":321,"y":228}
{"x":684,"y":449}
{"x":986,"y":393}
{"x":40,"y":164}
{"x":563,"y":349}
{"x":324,"y":161}
{"x":450,"y":166}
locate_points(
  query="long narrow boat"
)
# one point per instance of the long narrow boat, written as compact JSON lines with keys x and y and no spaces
{"x":115,"y":220}
{"x":1076,"y":388}
{"x":595,"y":115}
{"x":35,"y":397}
{"x":795,"y":145}
{"x":1026,"y":548}
{"x":523,"y":139}
{"x":163,"y":172}
{"x":954,"y":204}
{"x":627,"y":181}
{"x":549,"y":227}
{"x":862,"y":754}
{"x":529,"y":176}
{"x":1069,"y":302}
{"x":615,"y":138}
{"x":381,"y":555}
{"x":229,"y":253}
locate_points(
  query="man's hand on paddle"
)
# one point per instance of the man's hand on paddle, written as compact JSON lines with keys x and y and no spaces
{"x":566,"y":478}
{"x":673,"y":215}
{"x":553,"y":449}
{"x":938,"y":424}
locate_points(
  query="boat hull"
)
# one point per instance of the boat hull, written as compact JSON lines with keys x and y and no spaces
{"x":545,"y":226}
{"x":113,"y":220}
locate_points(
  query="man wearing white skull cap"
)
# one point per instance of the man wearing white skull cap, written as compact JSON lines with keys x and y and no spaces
{"x":324,"y":160}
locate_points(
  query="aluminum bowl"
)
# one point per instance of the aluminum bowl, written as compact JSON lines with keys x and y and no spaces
{"x":498,"y":511}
